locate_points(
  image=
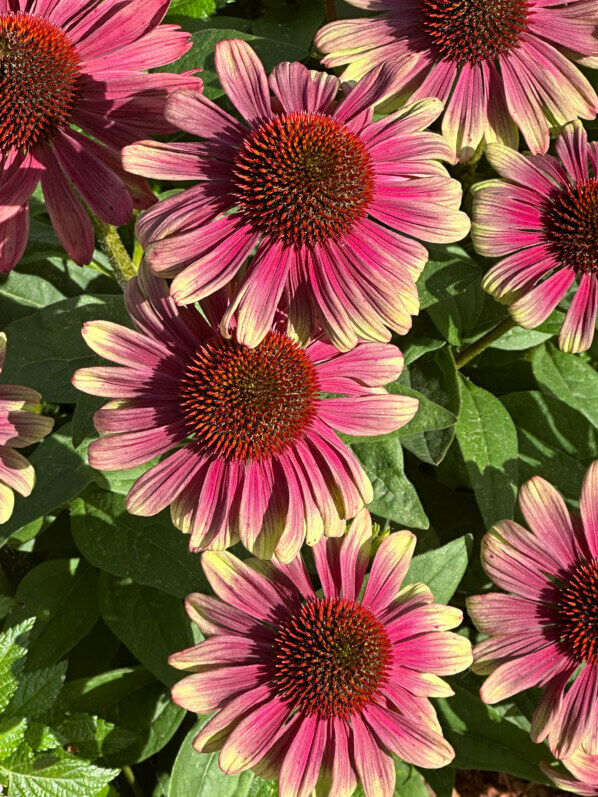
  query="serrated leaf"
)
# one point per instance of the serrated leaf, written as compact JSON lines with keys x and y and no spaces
{"x":13,"y":653}
{"x":37,"y":691}
{"x":148,"y":550}
{"x":487,"y":439}
{"x":12,"y":733}
{"x":53,"y":775}
{"x":93,"y":737}
{"x":395,"y":498}
{"x":196,"y":9}
{"x":441,"y":569}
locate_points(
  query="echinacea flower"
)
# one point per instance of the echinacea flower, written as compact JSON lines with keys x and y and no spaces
{"x":73,"y":91}
{"x":19,"y":428}
{"x":545,"y":631}
{"x":321,"y":690}
{"x":497,"y":65}
{"x":315,"y":185}
{"x":583,"y":777}
{"x":256,"y":454}
{"x":544,"y":216}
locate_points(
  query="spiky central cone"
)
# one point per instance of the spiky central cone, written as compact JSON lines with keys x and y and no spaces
{"x":578,"y":613}
{"x":331,"y":658}
{"x":303,"y":178}
{"x":471,"y":31}
{"x":572,"y":226}
{"x":249,"y":404}
{"x":39,"y":79}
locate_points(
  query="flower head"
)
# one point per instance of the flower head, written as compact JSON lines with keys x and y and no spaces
{"x":313,"y":689}
{"x":19,"y":428}
{"x":497,"y":65}
{"x":73,"y":91}
{"x":544,"y":216}
{"x":331,"y":202}
{"x":256,"y":454}
{"x":545,"y":631}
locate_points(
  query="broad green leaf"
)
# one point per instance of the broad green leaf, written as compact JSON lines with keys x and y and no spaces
{"x":61,"y":593}
{"x":37,"y":691}
{"x":197,"y":9}
{"x":151,"y":623}
{"x":441,"y":569}
{"x":50,"y":346}
{"x":518,"y":339}
{"x":198,"y":774}
{"x":295,"y":24}
{"x":436,"y":378}
{"x":484,"y":740}
{"x":429,"y":414}
{"x":13,"y":653}
{"x":488,"y":442}
{"x":441,"y":781}
{"x":148,"y":550}
{"x":456,"y":317}
{"x":61,"y":474}
{"x":395,"y":497}
{"x":12,"y":733}
{"x":555,"y":441}
{"x":409,"y":782}
{"x":94,"y":737}
{"x":568,"y":378}
{"x":56,"y":775}
{"x":449,"y":271}
{"x":134,"y":701}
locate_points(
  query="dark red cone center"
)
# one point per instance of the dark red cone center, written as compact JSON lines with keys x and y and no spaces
{"x":39,"y":79}
{"x":471,"y":31}
{"x":249,"y":404}
{"x":578,"y":613}
{"x":572,"y":226}
{"x":303,"y":178}
{"x":331,"y":658}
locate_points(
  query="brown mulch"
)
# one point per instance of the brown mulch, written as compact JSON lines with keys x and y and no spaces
{"x":493,"y":784}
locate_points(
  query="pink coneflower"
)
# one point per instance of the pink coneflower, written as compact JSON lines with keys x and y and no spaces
{"x":256,"y":452}
{"x":73,"y":91}
{"x":546,"y":632}
{"x":498,"y":65}
{"x":19,"y":428}
{"x":584,"y":773}
{"x":324,"y":689}
{"x":544,"y":216}
{"x":315,"y":185}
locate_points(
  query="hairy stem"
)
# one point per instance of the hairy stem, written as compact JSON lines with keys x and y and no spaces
{"x":109,"y":242}
{"x":330,"y":8}
{"x":480,"y":345}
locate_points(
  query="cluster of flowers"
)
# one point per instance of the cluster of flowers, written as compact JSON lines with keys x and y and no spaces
{"x":244,"y":373}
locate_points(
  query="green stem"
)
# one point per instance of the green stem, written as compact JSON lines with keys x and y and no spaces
{"x":480,"y":345}
{"x":130,"y":778}
{"x":109,"y":242}
{"x":330,"y":8}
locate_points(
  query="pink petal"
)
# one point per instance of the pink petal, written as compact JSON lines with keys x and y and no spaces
{"x":534,"y":308}
{"x":375,"y":766}
{"x":389,"y":568}
{"x":243,"y":78}
{"x":577,"y":332}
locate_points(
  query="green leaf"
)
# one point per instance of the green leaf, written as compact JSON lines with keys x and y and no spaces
{"x":149,"y":622}
{"x":61,"y":474}
{"x":568,"y":378}
{"x":395,"y":497}
{"x":555,"y":441}
{"x":456,"y":317}
{"x":12,"y":733}
{"x":56,"y":775}
{"x":37,"y":692}
{"x":436,"y":378}
{"x":61,"y":593}
{"x":488,"y":442}
{"x":483,"y":739}
{"x":429,"y":414}
{"x":449,"y":271}
{"x":198,"y":774}
{"x":13,"y":653}
{"x":441,"y":569}
{"x":409,"y":782}
{"x":134,"y":701}
{"x":149,"y":551}
{"x":94,"y":737}
{"x":197,"y":9}
{"x":50,"y":346}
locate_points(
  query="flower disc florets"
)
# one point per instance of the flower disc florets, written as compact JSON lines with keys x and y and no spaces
{"x":572,"y":226}
{"x":303,"y":178}
{"x":249,"y":403}
{"x":578,"y":613}
{"x":39,"y":79}
{"x":471,"y":31}
{"x":331,"y":657}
